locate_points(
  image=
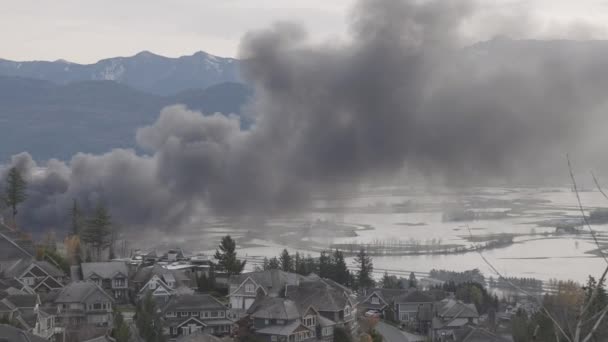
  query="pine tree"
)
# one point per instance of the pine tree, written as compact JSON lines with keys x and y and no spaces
{"x":148,"y":321}
{"x":98,"y":230}
{"x":76,"y":216}
{"x":15,"y":191}
{"x":311,"y":265}
{"x":121,"y":331}
{"x":273,"y":264}
{"x":341,"y":273}
{"x":226,"y":257}
{"x":366,"y":269}
{"x":413,"y":283}
{"x":286,"y":261}
{"x":325,"y":265}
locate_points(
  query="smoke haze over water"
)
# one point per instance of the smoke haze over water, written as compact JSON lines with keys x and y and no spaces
{"x":402,"y":92}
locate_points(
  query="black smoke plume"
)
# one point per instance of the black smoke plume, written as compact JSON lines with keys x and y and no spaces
{"x":401,"y":92}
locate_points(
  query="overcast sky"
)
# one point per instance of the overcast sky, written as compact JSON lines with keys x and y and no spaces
{"x":69,"y":29}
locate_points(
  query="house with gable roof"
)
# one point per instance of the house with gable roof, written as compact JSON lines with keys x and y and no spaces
{"x":244,"y":288}
{"x":276,"y":319}
{"x":451,"y":316}
{"x":83,"y":303}
{"x":161,"y":281}
{"x":112,"y":276}
{"x":40,"y":276}
{"x":335,"y":303}
{"x":191,"y":314}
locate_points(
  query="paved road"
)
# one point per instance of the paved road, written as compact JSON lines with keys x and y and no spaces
{"x":390,"y":333}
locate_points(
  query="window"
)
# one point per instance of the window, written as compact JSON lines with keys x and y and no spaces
{"x":118,"y":294}
{"x":183,"y":314}
{"x":152,"y":285}
{"x":171,"y":314}
{"x":273,"y":338}
{"x":222,"y":313}
{"x":328,"y":331}
{"x":375,"y":300}
{"x":97,"y":306}
{"x":249,"y":288}
{"x":205,"y":314}
{"x":347,"y":311}
{"x":214,"y":314}
{"x":174,"y":331}
{"x":119,"y":282}
{"x":28,"y":281}
{"x":194,"y":314}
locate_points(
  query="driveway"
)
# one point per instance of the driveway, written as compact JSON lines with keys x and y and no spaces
{"x":390,"y":333}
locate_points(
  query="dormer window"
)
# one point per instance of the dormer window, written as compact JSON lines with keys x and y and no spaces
{"x":375,"y":300}
{"x":249,"y":288}
{"x":347,"y":311}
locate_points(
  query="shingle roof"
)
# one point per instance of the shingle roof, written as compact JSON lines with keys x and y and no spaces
{"x":450,"y":308}
{"x":101,"y":339}
{"x":282,"y":330}
{"x":51,"y":269}
{"x":76,"y":292}
{"x":273,"y":281}
{"x":194,"y":302}
{"x":13,"y":334}
{"x":474,"y":334}
{"x":144,"y":274}
{"x":199,"y":338}
{"x":414,"y":297}
{"x":105,"y":270}
{"x":23,"y":301}
{"x":321,"y":295}
{"x":274,"y":308}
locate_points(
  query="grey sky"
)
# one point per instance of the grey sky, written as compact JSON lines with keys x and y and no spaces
{"x":85,"y":31}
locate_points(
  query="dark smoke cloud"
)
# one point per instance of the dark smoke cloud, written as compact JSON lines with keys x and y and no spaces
{"x":401,"y":92}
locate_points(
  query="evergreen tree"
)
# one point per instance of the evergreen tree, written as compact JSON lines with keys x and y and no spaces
{"x":98,"y":230}
{"x":121,"y":331}
{"x":274,"y":264}
{"x":300,"y":266}
{"x":148,"y":321}
{"x":341,"y":273}
{"x":76,"y":217}
{"x":325,"y":265}
{"x":311,"y":265}
{"x":389,"y":282}
{"x":15,"y":191}
{"x":286,"y":261}
{"x":226,"y":257}
{"x":266,"y":264}
{"x":366,"y":269}
{"x":413,"y":283}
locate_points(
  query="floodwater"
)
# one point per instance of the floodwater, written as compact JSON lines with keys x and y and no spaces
{"x":538,"y":251}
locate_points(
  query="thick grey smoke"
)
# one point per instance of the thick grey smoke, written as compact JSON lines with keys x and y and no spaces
{"x":401,"y":92}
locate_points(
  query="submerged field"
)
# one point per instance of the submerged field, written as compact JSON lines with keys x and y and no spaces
{"x":524,"y":232}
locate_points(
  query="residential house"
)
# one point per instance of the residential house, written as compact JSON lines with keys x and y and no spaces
{"x":12,"y":334}
{"x":475,"y":334}
{"x":161,"y":282}
{"x":45,"y":325}
{"x":335,"y":303}
{"x":202,"y":337}
{"x":41,"y":276}
{"x":112,"y":276}
{"x":415,"y":309}
{"x":83,"y":303}
{"x":381,"y":300}
{"x":14,"y":244}
{"x":244,"y":288}
{"x":277,"y":319}
{"x":451,"y":316}
{"x":195,"y":313}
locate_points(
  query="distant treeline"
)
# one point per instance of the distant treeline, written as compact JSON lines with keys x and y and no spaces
{"x":458,"y":277}
{"x":528,"y":284}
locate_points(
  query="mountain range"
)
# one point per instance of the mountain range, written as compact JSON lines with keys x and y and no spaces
{"x":144,"y":71}
{"x":56,"y":109}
